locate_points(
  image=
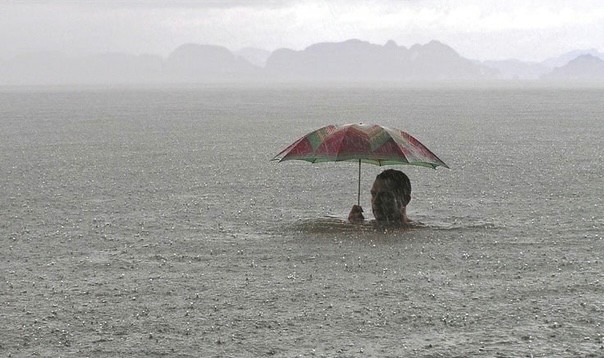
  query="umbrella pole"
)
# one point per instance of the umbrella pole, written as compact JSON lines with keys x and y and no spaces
{"x":359,"y":192}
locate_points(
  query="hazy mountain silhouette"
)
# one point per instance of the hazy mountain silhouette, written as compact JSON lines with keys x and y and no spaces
{"x":35,"y":68}
{"x":255,"y":56}
{"x":517,"y":70}
{"x":359,"y":60}
{"x":565,"y":58}
{"x":198,"y":63}
{"x":54,"y":68}
{"x":347,"y":61}
{"x":583,"y":68}
{"x":514,"y":69}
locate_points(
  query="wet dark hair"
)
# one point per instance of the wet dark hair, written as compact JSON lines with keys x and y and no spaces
{"x":400,"y":183}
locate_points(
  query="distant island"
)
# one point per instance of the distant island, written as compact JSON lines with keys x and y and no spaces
{"x":585,"y":67}
{"x":353,"y":61}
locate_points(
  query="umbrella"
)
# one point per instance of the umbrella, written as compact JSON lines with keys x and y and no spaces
{"x":365,"y":143}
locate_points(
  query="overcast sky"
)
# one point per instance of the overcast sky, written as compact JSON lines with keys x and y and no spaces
{"x":477,"y":29}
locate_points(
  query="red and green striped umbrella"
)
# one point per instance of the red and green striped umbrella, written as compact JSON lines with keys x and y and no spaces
{"x":365,"y":143}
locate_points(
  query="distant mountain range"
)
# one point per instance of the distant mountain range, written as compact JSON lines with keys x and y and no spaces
{"x":585,"y":67}
{"x":515,"y":69}
{"x":348,"y":61}
{"x":362,"y":61}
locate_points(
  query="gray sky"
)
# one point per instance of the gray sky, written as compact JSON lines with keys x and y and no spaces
{"x":477,"y":29}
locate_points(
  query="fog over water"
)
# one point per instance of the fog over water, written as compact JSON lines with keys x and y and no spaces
{"x":149,"y":42}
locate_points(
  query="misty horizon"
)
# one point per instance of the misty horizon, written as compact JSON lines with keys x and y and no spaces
{"x":348,"y":61}
{"x":70,"y":54}
{"x":184,"y":41}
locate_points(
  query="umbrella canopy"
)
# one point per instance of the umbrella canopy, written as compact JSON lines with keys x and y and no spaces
{"x":365,"y":143}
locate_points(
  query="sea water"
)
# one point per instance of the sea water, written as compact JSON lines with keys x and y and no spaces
{"x":527,"y":160}
{"x":101,"y":183}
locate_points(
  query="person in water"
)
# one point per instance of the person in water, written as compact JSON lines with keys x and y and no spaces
{"x":390,"y":195}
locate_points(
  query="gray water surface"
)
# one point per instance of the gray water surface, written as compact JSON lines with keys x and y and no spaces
{"x":529,"y":161}
{"x":94,"y":179}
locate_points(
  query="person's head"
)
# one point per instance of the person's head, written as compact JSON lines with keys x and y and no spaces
{"x":390,"y":194}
